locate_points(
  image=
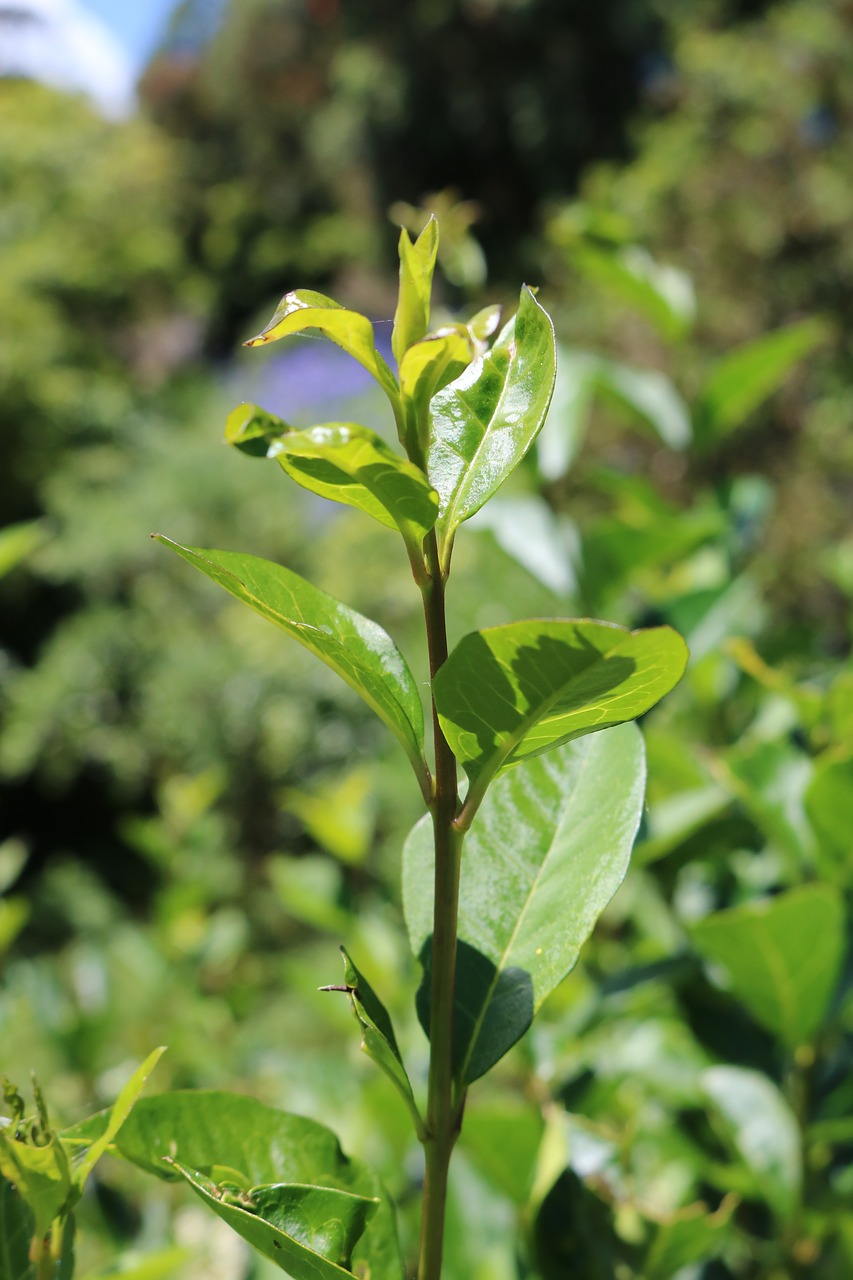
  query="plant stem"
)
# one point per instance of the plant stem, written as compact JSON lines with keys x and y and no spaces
{"x":442,"y":1118}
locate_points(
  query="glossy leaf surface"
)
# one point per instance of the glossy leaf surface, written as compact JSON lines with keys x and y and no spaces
{"x":16,"y":1229}
{"x":351,"y":464}
{"x":782,"y":957}
{"x":760,"y":1126}
{"x":484,"y":423}
{"x":207,"y":1132}
{"x":417,"y":264}
{"x":377,"y":1034}
{"x":359,"y":650}
{"x":309,"y":1231}
{"x":548,"y":849}
{"x":304,"y":309}
{"x":519,"y":689}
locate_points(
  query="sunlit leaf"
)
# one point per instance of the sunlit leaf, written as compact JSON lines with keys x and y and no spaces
{"x":748,"y":375}
{"x":651,"y":396}
{"x":119,"y":1112}
{"x":516,"y":690}
{"x":782,"y":956}
{"x":417,"y":264}
{"x":359,"y":650}
{"x":211,"y":1133}
{"x":484,"y":423}
{"x":548,"y":849}
{"x":42,"y":1175}
{"x":661,"y":293}
{"x":304,"y":309}
{"x":762,"y":1129}
{"x":309,"y":1231}
{"x":429,"y":365}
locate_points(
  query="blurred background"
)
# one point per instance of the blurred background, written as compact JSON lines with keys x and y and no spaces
{"x":194,"y":814}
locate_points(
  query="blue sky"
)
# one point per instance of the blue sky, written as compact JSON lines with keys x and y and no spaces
{"x":138,"y":24}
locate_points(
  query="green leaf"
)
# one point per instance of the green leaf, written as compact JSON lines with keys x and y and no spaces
{"x":429,"y":365}
{"x":484,"y":423}
{"x":204,"y":1131}
{"x":547,"y":851}
{"x":744,"y":378}
{"x":252,"y":430}
{"x":377,"y":1034}
{"x":782,"y":957}
{"x":309,"y":1231}
{"x":304,"y":309}
{"x":651,"y":396}
{"x":417,"y":264}
{"x":359,"y":650}
{"x":762,"y":1129}
{"x":829,"y":804}
{"x":351,"y":464}
{"x":691,"y":1235}
{"x":121,"y":1109}
{"x":42,"y":1175}
{"x":18,"y":541}
{"x":661,"y":293}
{"x":519,"y":689}
{"x":16,"y":1231}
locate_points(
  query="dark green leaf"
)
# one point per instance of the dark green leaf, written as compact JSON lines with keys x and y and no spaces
{"x":484,"y":423}
{"x":16,"y":1230}
{"x":519,"y":689}
{"x":309,"y":1231}
{"x":762,"y":1129}
{"x":359,"y":650}
{"x":547,"y":851}
{"x":782,"y":957}
{"x":378,"y":1039}
{"x":417,"y":264}
{"x":747,"y":376}
{"x":205,"y":1131}
{"x":304,"y":309}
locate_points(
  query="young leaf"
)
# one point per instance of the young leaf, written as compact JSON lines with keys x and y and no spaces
{"x":748,"y":375}
{"x":359,"y":650}
{"x":782,"y":957}
{"x":310,"y":1231}
{"x":429,"y":365}
{"x":417,"y":264}
{"x":350,"y":464}
{"x":484,"y":423}
{"x":377,"y":1034}
{"x":548,"y":849}
{"x":42,"y":1175}
{"x":16,"y":1230}
{"x":516,"y":690}
{"x":121,"y":1109}
{"x":304,"y":309}
{"x":263,"y":1146}
{"x":252,"y":430}
{"x":763,"y":1130}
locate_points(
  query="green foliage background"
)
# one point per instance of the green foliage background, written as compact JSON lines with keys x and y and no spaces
{"x":194,"y":814}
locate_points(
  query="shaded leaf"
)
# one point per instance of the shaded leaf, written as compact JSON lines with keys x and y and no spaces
{"x":484,"y":423}
{"x":548,"y":849}
{"x":748,"y":375}
{"x":359,"y":650}
{"x":304,"y":309}
{"x":782,"y":957}
{"x":528,"y":529}
{"x":378,"y":1040}
{"x":16,"y":1230}
{"x":762,"y":1129}
{"x":516,"y":690}
{"x":417,"y":264}
{"x":42,"y":1175}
